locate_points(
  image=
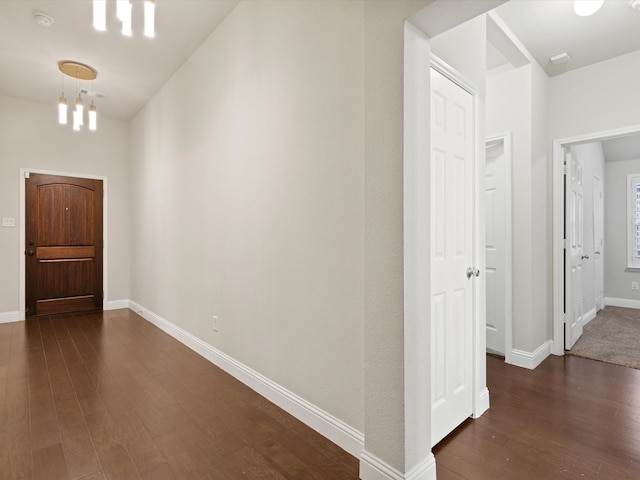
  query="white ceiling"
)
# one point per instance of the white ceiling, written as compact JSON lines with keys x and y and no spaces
{"x":130,"y":69}
{"x":551,"y":27}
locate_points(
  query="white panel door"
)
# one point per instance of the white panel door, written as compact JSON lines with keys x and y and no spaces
{"x":495,"y":246}
{"x":452,"y":163}
{"x":598,"y":242}
{"x":573,"y":251}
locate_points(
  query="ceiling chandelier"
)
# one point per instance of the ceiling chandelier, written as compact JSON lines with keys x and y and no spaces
{"x":77,"y":71}
{"x":123,"y":13}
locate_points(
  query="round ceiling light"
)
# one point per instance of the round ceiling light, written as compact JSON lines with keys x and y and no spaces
{"x":584,"y":8}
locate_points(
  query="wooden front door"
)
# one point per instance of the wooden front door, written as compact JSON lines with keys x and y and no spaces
{"x":63,"y":244}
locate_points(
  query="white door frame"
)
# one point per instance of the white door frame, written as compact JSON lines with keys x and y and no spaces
{"x":480,"y":391}
{"x":505,"y":139}
{"x":558,"y":222}
{"x":105,"y":217}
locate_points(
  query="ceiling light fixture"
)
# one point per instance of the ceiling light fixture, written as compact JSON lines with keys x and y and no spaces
{"x":77,"y":71}
{"x":635,"y":4}
{"x":124,"y":9}
{"x":584,"y":8}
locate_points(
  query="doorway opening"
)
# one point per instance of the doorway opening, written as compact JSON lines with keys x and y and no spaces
{"x":568,"y":313}
{"x":498,"y":244}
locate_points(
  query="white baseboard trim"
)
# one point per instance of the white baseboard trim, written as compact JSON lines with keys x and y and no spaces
{"x":622,"y":302}
{"x":372,"y":468}
{"x":327,"y":425}
{"x":482,"y":403}
{"x":116,"y":304}
{"x":8,"y":317}
{"x":590,"y":315}
{"x":531,"y":360}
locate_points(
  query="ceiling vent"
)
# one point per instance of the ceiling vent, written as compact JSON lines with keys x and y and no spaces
{"x":561,"y":58}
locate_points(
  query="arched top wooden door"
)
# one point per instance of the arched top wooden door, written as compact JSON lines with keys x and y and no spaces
{"x":64,"y":244}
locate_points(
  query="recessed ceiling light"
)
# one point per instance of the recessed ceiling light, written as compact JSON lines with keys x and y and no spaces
{"x":43,"y":19}
{"x":584,"y":8}
{"x":561,"y":58}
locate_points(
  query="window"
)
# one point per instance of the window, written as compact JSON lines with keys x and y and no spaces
{"x":633,"y":219}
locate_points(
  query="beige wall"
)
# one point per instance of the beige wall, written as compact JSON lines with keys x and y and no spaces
{"x":30,"y":137}
{"x":248,"y":197}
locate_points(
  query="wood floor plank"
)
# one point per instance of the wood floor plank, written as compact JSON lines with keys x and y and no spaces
{"x":79,"y":452}
{"x":114,"y":458}
{"x":144,"y":453}
{"x":49,"y":464}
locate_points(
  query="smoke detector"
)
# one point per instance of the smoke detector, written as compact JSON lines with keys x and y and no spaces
{"x":43,"y":19}
{"x":93,"y":94}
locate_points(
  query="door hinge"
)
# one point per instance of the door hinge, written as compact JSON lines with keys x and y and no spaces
{"x":565,"y":168}
{"x":564,"y":243}
{"x":103,"y":294}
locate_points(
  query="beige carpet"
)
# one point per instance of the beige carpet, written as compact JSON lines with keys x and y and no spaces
{"x":612,"y":337}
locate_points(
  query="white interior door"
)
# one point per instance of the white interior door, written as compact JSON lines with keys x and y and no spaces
{"x":495,"y":245}
{"x":452,"y":315}
{"x":598,"y":242}
{"x":573,"y":250}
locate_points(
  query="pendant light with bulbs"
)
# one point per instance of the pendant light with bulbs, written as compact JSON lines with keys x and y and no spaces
{"x":79,"y":72}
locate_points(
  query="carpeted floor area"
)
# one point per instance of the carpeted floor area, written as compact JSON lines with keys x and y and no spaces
{"x":612,"y":337}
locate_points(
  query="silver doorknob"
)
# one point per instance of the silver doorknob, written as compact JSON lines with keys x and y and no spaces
{"x":471,"y":271}
{"x":585,"y":257}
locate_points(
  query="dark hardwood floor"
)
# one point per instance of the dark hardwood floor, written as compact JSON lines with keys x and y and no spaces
{"x":570,"y":418}
{"x":110,"y":396}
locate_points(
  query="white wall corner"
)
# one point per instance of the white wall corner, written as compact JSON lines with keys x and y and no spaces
{"x":372,"y":468}
{"x":8,"y":317}
{"x":117,"y":304}
{"x":621,"y":302}
{"x":531,"y":360}
{"x":334,"y":429}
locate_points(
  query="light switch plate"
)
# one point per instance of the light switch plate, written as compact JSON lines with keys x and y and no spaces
{"x":8,"y":222}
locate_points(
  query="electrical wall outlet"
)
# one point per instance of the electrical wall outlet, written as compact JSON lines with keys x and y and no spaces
{"x":216,"y":324}
{"x":634,"y":285}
